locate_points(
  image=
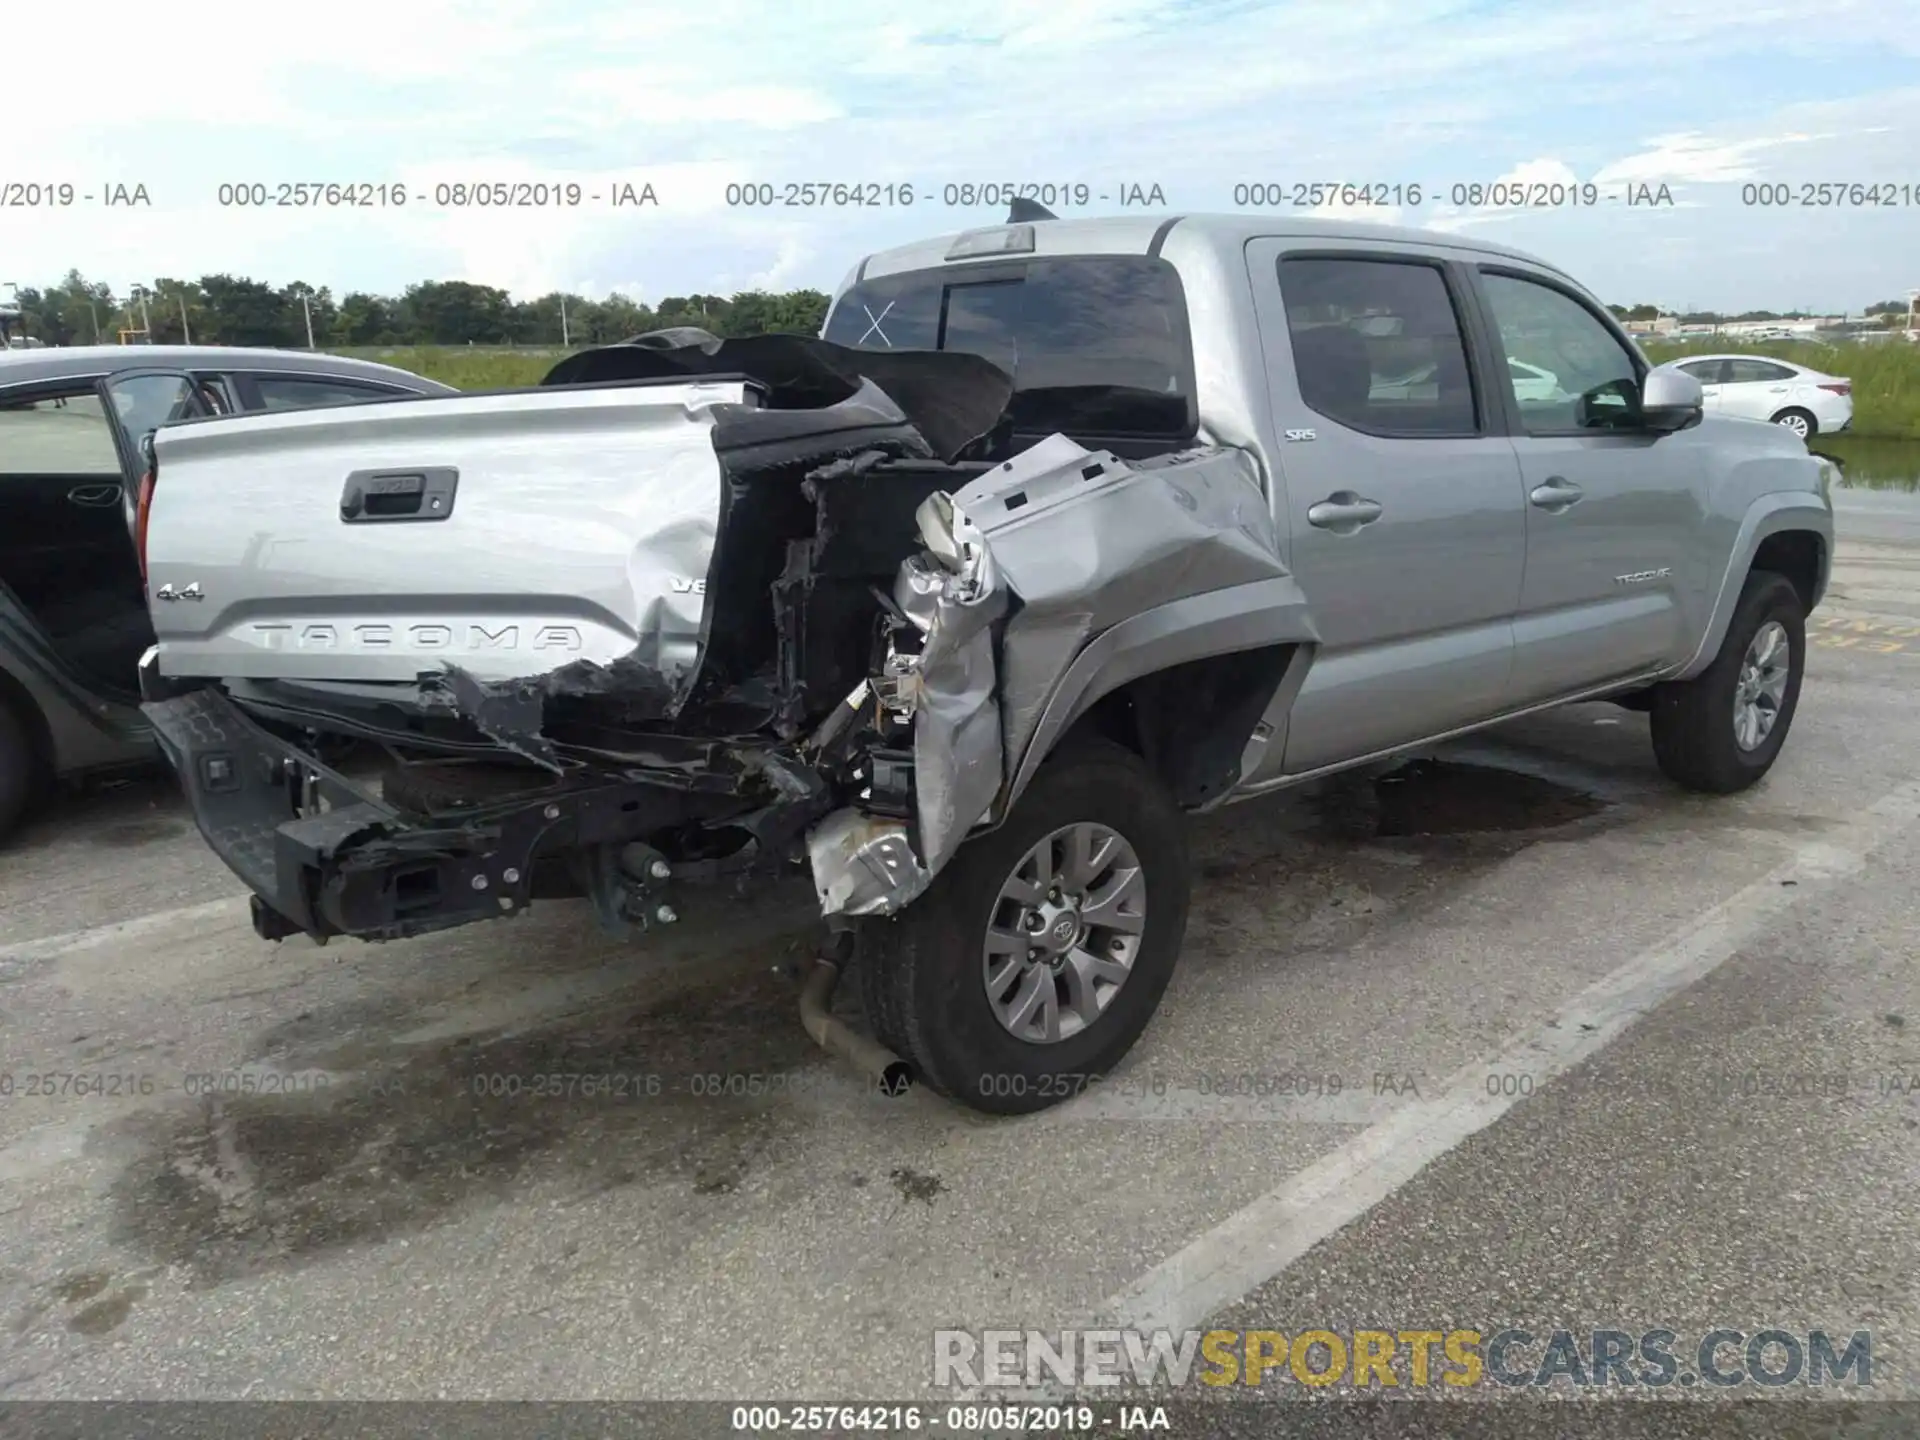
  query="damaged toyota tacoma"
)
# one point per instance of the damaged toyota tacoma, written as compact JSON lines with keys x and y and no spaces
{"x":1059,"y":529}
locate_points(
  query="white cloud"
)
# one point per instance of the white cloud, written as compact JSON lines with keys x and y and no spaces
{"x":1098,"y":92}
{"x":1699,"y":159}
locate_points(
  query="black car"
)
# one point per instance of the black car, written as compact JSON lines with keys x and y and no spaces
{"x":73,"y":611}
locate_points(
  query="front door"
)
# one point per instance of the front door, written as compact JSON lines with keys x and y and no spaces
{"x":1611,"y":509}
{"x":1402,"y":501}
{"x":1711,"y":374}
{"x":66,"y":556}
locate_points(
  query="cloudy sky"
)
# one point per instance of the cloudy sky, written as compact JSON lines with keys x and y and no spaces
{"x":1195,"y":96}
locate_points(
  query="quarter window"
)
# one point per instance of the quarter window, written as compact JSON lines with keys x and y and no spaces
{"x":1595,"y":383}
{"x":282,"y":392}
{"x":1377,"y":345}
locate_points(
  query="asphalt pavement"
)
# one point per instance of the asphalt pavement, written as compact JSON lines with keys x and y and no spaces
{"x":1518,"y":1038}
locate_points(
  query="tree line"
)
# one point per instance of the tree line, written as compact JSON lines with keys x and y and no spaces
{"x":230,"y":310}
{"x":1887,"y":311}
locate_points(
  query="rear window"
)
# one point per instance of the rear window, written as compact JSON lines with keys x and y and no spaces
{"x":1097,"y":345}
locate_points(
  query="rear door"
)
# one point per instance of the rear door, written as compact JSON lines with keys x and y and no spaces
{"x":65,"y":553}
{"x":1756,"y":389}
{"x":1403,"y":500}
{"x":1611,"y":508}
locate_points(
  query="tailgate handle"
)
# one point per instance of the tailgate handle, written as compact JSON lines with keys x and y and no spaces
{"x":392,"y":495}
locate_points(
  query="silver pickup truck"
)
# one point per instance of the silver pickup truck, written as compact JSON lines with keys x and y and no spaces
{"x":1059,"y":529}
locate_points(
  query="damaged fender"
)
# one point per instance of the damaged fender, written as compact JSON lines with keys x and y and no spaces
{"x":1043,"y":585}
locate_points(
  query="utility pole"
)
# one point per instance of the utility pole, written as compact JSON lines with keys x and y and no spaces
{"x":186,"y":335}
{"x":565,"y":340}
{"x":306,"y":309}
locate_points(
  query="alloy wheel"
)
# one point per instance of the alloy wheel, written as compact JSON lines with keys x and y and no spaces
{"x":1064,"y":932}
{"x":1762,"y":686}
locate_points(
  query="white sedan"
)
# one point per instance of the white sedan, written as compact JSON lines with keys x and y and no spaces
{"x":1758,"y":387}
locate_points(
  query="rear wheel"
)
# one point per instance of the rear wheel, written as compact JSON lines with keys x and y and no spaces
{"x":1721,"y":731}
{"x":1800,"y":422}
{"x":1037,"y":957}
{"x":21,"y":772}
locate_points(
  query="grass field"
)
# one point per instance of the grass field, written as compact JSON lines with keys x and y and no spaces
{"x":1885,"y":375}
{"x":465,"y":367}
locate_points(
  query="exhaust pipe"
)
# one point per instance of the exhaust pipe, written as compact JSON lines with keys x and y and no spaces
{"x":868,"y":1056}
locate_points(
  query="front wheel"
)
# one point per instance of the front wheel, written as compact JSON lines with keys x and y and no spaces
{"x":1037,"y":957}
{"x":1720,"y":731}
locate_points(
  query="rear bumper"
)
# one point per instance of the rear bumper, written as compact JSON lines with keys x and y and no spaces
{"x":247,"y":788}
{"x":324,"y":856}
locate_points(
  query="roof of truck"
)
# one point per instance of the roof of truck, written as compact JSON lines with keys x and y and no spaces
{"x":1146,"y":234}
{"x":64,"y":361}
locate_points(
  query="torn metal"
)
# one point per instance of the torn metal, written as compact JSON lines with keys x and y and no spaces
{"x":1062,"y":543}
{"x":885,"y":624}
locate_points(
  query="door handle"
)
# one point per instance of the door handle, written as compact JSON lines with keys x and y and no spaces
{"x":375,"y":496}
{"x":1557,"y":493}
{"x":1344,"y":512}
{"x":94,"y":496}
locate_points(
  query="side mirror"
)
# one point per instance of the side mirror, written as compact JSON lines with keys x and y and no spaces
{"x":1670,"y":400}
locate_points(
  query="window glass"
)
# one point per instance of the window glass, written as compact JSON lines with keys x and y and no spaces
{"x":1377,"y":345}
{"x":1595,"y":384}
{"x":1096,"y":344}
{"x":60,"y":435}
{"x":146,"y":402}
{"x":284,"y":392}
{"x":1755,"y":372}
{"x":1707,"y":372}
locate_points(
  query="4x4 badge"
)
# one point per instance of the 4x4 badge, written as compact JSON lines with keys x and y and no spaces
{"x":192,"y":592}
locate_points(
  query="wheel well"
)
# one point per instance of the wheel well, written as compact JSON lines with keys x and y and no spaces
{"x":1190,"y":722}
{"x":1795,"y":554}
{"x":15,"y":699}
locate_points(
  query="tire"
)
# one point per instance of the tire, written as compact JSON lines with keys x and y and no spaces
{"x":925,"y":971}
{"x":1693,"y":721}
{"x":21,"y":773}
{"x":1801,"y":422}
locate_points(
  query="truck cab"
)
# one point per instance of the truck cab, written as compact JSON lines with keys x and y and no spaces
{"x":1515,"y":531}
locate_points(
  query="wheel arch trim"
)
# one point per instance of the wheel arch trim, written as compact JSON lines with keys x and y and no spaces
{"x":1195,"y":627}
{"x":1780,"y":512}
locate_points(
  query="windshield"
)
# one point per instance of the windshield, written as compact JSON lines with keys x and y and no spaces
{"x":1097,"y":345}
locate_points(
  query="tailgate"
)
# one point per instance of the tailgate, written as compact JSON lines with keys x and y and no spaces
{"x":506,"y":533}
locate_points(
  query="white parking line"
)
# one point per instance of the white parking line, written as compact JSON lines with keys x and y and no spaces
{"x":231,"y":906}
{"x":1257,"y":1243}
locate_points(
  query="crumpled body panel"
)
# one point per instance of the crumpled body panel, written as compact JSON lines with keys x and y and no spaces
{"x":850,"y":635}
{"x":1061,"y":544}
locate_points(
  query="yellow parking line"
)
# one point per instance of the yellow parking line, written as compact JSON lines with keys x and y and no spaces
{"x":1868,"y":637}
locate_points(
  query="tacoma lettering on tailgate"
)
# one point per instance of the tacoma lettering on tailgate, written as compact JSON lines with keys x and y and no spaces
{"x":428,"y":636}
